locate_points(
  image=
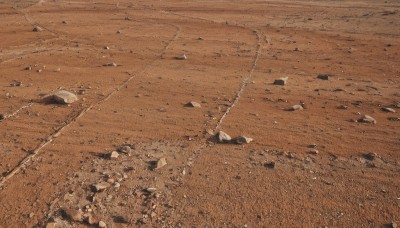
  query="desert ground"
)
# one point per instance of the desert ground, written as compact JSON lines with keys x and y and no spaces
{"x":314,"y":84}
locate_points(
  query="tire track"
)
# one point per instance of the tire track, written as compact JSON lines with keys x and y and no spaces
{"x":24,"y":162}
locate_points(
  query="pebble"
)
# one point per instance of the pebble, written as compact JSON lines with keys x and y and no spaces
{"x":344,"y":107}
{"x":324,"y":76}
{"x":110,"y":65}
{"x":2,"y":116}
{"x":64,"y":97}
{"x":28,"y":68}
{"x":101,"y":186}
{"x":389,"y":118}
{"x":270,"y":165}
{"x":243,"y":140}
{"x":295,"y":107}
{"x":370,"y":156}
{"x":313,"y":146}
{"x":151,"y":190}
{"x":388,"y":110}
{"x":367,"y":119}
{"x":124,"y":149}
{"x":182,"y":57}
{"x":102,"y":224}
{"x":117,"y":185}
{"x":281,"y":81}
{"x":37,"y":29}
{"x":223,"y":137}
{"x":193,"y":104}
{"x":313,"y":152}
{"x":74,"y":215}
{"x":114,"y":155}
{"x":52,"y":225}
{"x":161,"y":163}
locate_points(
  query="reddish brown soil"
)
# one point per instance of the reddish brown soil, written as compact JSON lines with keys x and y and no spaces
{"x":51,"y":155}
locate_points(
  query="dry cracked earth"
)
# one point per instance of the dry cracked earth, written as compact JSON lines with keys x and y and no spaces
{"x":315,"y":84}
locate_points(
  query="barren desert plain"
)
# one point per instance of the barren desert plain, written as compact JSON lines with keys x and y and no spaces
{"x":173,"y":113}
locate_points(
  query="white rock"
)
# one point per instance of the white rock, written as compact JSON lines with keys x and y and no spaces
{"x":295,"y":107}
{"x":110,"y":64}
{"x":37,"y":29}
{"x":243,"y":140}
{"x":114,"y":155}
{"x":193,"y":104}
{"x":64,"y":97}
{"x":223,"y":137}
{"x":388,"y":110}
{"x":161,"y":163}
{"x":102,"y":224}
{"x":367,"y":119}
{"x":101,"y":186}
{"x":182,"y":57}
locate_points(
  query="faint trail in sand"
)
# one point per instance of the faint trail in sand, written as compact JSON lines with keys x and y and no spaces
{"x":254,"y":63}
{"x":24,"y":163}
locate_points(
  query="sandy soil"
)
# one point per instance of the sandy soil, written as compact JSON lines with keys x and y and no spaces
{"x":316,"y":167}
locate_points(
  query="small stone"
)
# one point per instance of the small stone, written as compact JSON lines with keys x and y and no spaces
{"x":295,"y":107}
{"x":324,"y":76}
{"x":110,"y":64}
{"x":281,"y":81}
{"x":370,"y":156}
{"x":392,"y":225}
{"x":28,"y":68}
{"x":107,"y":48}
{"x":161,"y":163}
{"x":200,"y":38}
{"x":73,"y":215}
{"x":388,"y":110}
{"x":102,"y":224}
{"x":151,"y":190}
{"x":223,"y":137}
{"x":389,"y":118}
{"x":117,"y":185}
{"x":193,"y":104}
{"x":114,"y":155}
{"x":270,"y":165}
{"x":313,"y":146}
{"x":31,"y":215}
{"x":120,"y":219}
{"x":2,"y":116}
{"x":101,"y":186}
{"x":367,"y":119}
{"x":243,"y":140}
{"x":91,"y":219}
{"x":64,"y":97}
{"x":124,"y":149}
{"x":37,"y":29}
{"x":313,"y":152}
{"x":52,"y":225}
{"x":182,"y":57}
{"x":344,"y":107}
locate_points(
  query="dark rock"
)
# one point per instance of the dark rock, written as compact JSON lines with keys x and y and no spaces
{"x":270,"y":165}
{"x":324,"y":76}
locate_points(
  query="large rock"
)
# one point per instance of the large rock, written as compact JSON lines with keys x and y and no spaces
{"x":243,"y":140}
{"x":161,"y":163}
{"x":223,"y":137}
{"x":64,"y":97}
{"x":367,"y":119}
{"x":193,"y":104}
{"x":101,"y":186}
{"x":324,"y":76}
{"x":295,"y":108}
{"x":281,"y":81}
